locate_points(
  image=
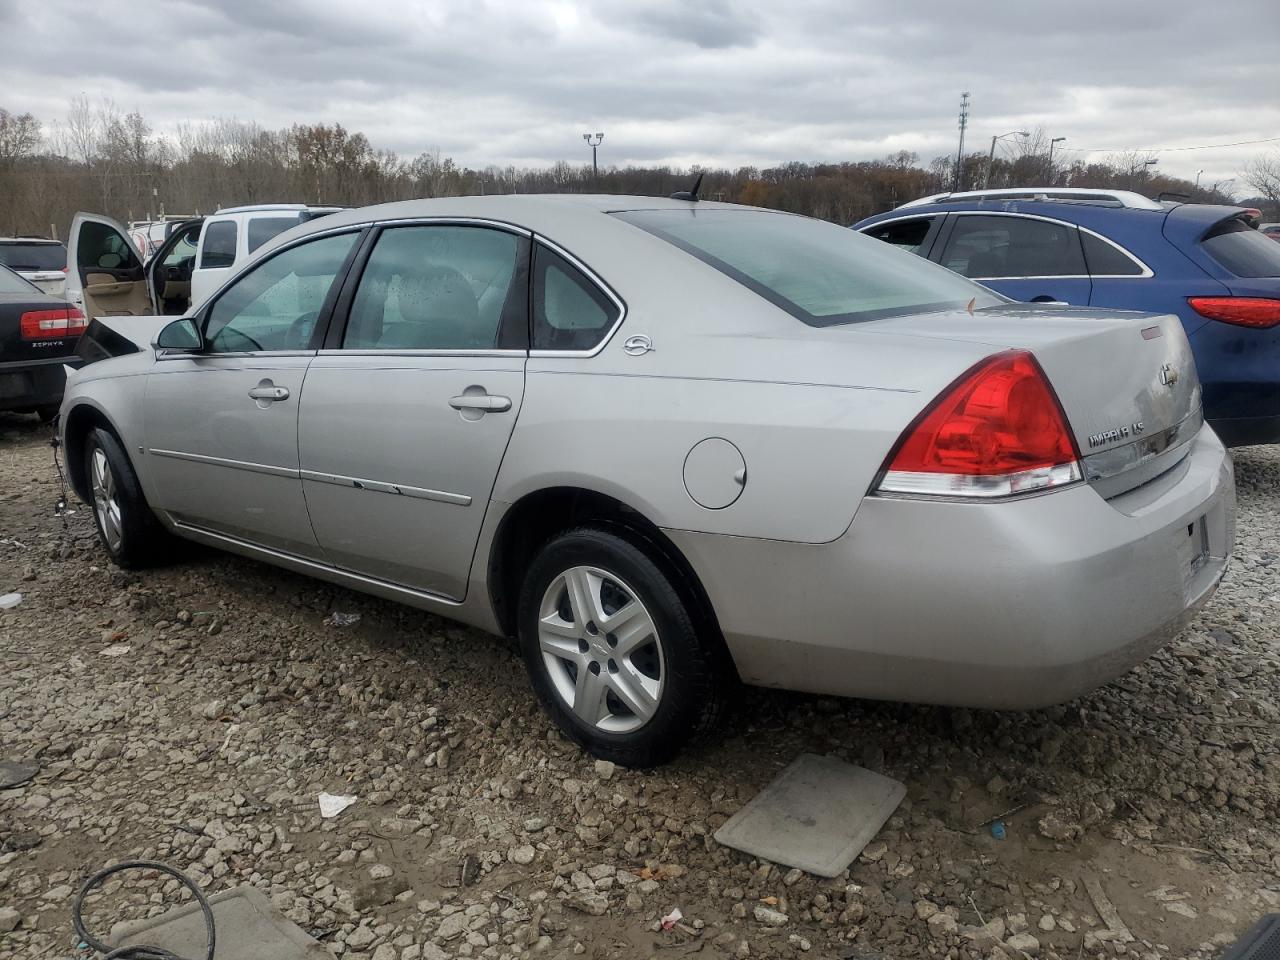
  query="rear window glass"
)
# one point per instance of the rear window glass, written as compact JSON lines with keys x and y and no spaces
{"x":818,"y":272}
{"x":1106,"y":260}
{"x":218,"y":249}
{"x":1243,"y":250}
{"x":995,"y":247}
{"x":10,"y":282}
{"x":33,"y":256}
{"x":910,"y":235}
{"x":262,"y":229}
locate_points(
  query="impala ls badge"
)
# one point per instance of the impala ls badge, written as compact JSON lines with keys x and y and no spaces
{"x":1122,"y":432}
{"x":1168,"y":375}
{"x":637,"y":345}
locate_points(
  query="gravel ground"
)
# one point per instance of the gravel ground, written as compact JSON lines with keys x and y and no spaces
{"x":479,"y":832}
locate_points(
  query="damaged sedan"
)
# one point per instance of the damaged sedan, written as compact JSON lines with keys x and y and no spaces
{"x":673,"y":445}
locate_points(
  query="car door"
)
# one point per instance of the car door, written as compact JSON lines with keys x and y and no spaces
{"x":104,"y":270}
{"x":169,"y":269}
{"x":408,"y":410}
{"x":1026,"y":258}
{"x":222,"y":424}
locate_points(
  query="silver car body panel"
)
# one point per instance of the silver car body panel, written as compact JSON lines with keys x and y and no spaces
{"x":403,"y":495}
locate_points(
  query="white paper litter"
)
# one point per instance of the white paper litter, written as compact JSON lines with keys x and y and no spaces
{"x":115,"y":650}
{"x":331,"y":804}
{"x":672,"y":918}
{"x":337,"y":619}
{"x":10,"y":600}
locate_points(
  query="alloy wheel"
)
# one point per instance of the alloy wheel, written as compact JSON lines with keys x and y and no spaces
{"x":601,"y":649}
{"x":106,"y":501}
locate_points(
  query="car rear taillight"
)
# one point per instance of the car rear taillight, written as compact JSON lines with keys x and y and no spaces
{"x":52,"y":324}
{"x":997,"y":431}
{"x":1258,"y":312}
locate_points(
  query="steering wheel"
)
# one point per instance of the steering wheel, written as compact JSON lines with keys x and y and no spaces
{"x":305,"y":322}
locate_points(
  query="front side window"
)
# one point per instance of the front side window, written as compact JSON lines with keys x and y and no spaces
{"x":820,"y":273}
{"x":102,"y":246}
{"x":219,"y":246}
{"x":440,"y":287}
{"x":569,"y":311}
{"x":908,"y":235}
{"x":183,"y":250}
{"x":276,"y":304}
{"x":983,"y":247}
{"x":262,"y":229}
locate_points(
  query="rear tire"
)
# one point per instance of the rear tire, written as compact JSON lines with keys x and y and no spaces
{"x":614,"y":650}
{"x":127,"y":529}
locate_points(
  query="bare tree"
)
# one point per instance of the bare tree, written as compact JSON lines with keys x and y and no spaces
{"x":1263,"y":174}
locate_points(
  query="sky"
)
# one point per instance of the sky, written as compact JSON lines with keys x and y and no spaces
{"x":716,"y":82}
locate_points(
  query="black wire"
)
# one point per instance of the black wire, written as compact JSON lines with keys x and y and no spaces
{"x":139,"y":951}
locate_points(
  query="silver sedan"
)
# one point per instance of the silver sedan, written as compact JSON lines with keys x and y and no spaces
{"x":670,"y":445}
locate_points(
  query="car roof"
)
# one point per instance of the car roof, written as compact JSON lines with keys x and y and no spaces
{"x":274,"y":208}
{"x":29,"y":240}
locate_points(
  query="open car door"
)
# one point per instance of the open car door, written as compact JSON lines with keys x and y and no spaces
{"x":105,"y":277}
{"x":169,"y":269}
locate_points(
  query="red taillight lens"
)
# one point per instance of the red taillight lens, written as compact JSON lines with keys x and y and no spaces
{"x":997,"y":431}
{"x":1258,"y":312}
{"x":52,"y":324}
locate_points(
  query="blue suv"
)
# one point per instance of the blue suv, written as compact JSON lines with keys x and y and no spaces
{"x":1209,"y":265}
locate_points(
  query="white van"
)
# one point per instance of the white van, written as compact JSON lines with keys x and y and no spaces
{"x":106,"y":275}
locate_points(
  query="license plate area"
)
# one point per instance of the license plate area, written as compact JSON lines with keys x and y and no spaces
{"x":1193,"y":548}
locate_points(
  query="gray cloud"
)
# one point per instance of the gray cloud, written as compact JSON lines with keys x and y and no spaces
{"x":719,"y":81}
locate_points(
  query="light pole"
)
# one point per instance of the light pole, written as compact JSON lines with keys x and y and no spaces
{"x":1218,"y":183}
{"x":1198,"y":172}
{"x":991,"y":157}
{"x":964,"y":122}
{"x":1146,"y":166}
{"x":593,"y":143}
{"x":1051,"y":143}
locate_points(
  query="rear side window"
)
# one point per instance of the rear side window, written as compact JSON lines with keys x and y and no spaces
{"x":262,"y":229}
{"x":1107,"y":260}
{"x":1242,"y":250}
{"x":820,"y":273}
{"x":219,"y":245}
{"x":33,"y":256}
{"x":909,"y":235}
{"x":987,"y":248}
{"x":569,"y":311}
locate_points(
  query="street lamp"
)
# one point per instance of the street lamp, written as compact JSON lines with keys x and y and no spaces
{"x":991,"y":157}
{"x":1051,"y":143}
{"x":594,"y":142}
{"x":1198,"y":172}
{"x":1218,"y":183}
{"x":1146,"y":166}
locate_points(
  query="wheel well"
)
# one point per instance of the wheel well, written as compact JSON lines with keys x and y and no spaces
{"x":81,"y":420}
{"x":537,"y":517}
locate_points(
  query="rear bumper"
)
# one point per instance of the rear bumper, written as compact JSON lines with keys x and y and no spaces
{"x":1004,"y":605}
{"x":35,"y":383}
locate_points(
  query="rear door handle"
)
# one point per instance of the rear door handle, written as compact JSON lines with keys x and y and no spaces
{"x":484,"y":402}
{"x":261,"y":392}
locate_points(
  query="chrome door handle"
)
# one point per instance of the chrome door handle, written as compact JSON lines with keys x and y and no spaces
{"x":483,"y":402}
{"x":269,"y":393}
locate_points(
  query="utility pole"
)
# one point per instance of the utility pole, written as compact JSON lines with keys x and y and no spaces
{"x":991,"y":157}
{"x":964,"y":122}
{"x":595,"y":169}
{"x":1051,"y":143}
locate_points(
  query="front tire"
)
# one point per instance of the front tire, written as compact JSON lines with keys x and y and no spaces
{"x":614,"y":650}
{"x":127,"y":529}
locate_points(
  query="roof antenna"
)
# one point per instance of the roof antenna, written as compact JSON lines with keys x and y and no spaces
{"x":689,"y":194}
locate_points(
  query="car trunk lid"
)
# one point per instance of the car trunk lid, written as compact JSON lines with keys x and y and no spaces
{"x":1127,"y":381}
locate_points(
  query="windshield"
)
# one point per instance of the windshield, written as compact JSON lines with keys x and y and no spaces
{"x":10,"y":282}
{"x":33,"y":256}
{"x":818,"y":272}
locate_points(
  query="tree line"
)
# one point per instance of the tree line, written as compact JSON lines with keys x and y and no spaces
{"x":98,"y":158}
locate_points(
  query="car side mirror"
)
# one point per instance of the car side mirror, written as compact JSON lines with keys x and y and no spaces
{"x":180,"y":336}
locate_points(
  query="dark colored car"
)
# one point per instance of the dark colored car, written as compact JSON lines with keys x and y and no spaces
{"x":38,"y":334}
{"x":1206,"y":264}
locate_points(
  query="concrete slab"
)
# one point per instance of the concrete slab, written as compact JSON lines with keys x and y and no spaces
{"x":817,"y":815}
{"x":246,"y":925}
{"x":15,"y":774}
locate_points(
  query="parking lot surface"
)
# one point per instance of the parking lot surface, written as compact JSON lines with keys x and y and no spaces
{"x":193,"y":715}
